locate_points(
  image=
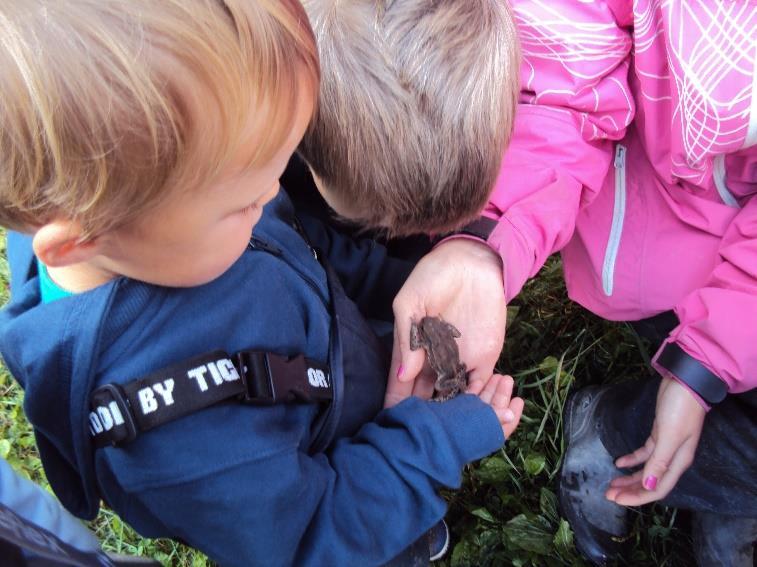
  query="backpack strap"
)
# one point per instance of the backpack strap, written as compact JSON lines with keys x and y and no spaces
{"x":120,"y":412}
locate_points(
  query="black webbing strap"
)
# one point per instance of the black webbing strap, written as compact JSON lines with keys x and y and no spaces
{"x":691,"y":372}
{"x":119,"y":412}
{"x":481,"y":228}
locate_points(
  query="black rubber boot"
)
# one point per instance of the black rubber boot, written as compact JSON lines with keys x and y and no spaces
{"x":723,"y":541}
{"x":431,"y":546}
{"x":600,"y":526}
{"x":438,"y":541}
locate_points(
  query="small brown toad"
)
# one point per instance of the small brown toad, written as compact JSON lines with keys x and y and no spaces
{"x":437,"y":337}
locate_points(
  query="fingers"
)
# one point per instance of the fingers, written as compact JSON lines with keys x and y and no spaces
{"x":487,"y":394}
{"x":482,"y":373}
{"x":516,"y":406}
{"x":638,"y":457}
{"x":396,"y":390}
{"x":423,"y":387}
{"x":501,"y":399}
{"x":627,"y":480}
{"x":406,"y":363}
{"x":475,"y":386}
{"x":497,"y":392}
{"x":638,"y":488}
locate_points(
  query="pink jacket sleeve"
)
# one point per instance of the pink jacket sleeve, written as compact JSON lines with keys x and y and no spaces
{"x":574,"y":102}
{"x":718,"y":321}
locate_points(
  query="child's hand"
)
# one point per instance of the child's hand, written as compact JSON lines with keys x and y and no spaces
{"x":668,"y":452}
{"x":496,"y":392}
{"x":460,"y":281}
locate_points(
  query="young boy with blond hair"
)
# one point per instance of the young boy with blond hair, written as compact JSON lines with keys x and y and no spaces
{"x":210,"y":384}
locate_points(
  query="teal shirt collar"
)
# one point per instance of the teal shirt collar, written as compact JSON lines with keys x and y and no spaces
{"x":49,"y":290}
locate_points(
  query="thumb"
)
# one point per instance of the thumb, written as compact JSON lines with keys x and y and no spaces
{"x":406,"y":363}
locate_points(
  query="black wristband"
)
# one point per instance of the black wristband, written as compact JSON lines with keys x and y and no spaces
{"x":480,"y":228}
{"x":692,"y":373}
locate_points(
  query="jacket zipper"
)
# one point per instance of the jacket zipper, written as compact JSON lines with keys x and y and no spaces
{"x":256,"y":244}
{"x":718,"y":174}
{"x":618,"y":216}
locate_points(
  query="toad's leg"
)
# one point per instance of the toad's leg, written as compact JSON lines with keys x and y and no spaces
{"x":415,"y":338}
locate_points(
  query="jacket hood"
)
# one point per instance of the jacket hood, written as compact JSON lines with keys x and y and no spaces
{"x":54,"y":373}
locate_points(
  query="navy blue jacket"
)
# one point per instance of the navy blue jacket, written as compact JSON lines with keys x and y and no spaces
{"x":241,"y":482}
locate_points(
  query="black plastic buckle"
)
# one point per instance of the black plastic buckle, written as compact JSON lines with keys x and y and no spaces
{"x":120,"y":432}
{"x":256,"y":376}
{"x":270,"y":379}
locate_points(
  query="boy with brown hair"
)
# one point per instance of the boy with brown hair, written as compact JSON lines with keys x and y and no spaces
{"x":417,"y":104}
{"x":210,"y":384}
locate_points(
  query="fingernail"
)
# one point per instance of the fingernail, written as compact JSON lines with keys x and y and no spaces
{"x":400,"y":371}
{"x":508,"y":416}
{"x":650,"y":483}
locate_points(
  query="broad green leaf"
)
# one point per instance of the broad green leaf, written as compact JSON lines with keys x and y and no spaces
{"x":464,"y":554}
{"x":548,"y":504}
{"x":563,"y":539}
{"x":493,"y":470}
{"x":534,"y":463}
{"x":484,"y":514}
{"x":549,"y":365}
{"x":531,"y":534}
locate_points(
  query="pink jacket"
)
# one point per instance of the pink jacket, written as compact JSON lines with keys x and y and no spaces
{"x":635,"y":153}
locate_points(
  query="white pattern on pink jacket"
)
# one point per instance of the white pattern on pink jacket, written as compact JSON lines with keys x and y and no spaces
{"x":635,"y":153}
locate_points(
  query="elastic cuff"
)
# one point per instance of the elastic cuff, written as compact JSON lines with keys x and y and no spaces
{"x":671,"y":360}
{"x":517,"y":256}
{"x":460,"y":237}
{"x":472,"y":425}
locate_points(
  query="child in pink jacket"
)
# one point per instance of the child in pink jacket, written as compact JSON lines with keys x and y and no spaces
{"x":635,"y":154}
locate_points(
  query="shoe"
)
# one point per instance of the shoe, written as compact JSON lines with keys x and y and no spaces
{"x":438,"y":541}
{"x":600,"y":526}
{"x":723,"y":541}
{"x":431,"y":546}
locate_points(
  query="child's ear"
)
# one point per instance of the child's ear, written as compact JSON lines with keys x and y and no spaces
{"x":58,"y":243}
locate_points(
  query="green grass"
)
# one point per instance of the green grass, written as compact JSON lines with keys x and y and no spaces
{"x":506,"y":512}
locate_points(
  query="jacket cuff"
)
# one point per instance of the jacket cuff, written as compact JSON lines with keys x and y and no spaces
{"x":671,"y":360}
{"x":471,"y":424}
{"x":517,"y":255}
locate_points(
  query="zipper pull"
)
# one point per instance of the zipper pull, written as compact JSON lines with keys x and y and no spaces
{"x":257,"y":244}
{"x":620,"y":156}
{"x":297,"y":225}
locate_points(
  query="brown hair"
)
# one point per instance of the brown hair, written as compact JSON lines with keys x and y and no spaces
{"x":108,"y":104}
{"x":416,"y":108}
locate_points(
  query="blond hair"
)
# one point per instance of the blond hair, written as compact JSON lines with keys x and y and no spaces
{"x":416,"y":108}
{"x":106,"y":104}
